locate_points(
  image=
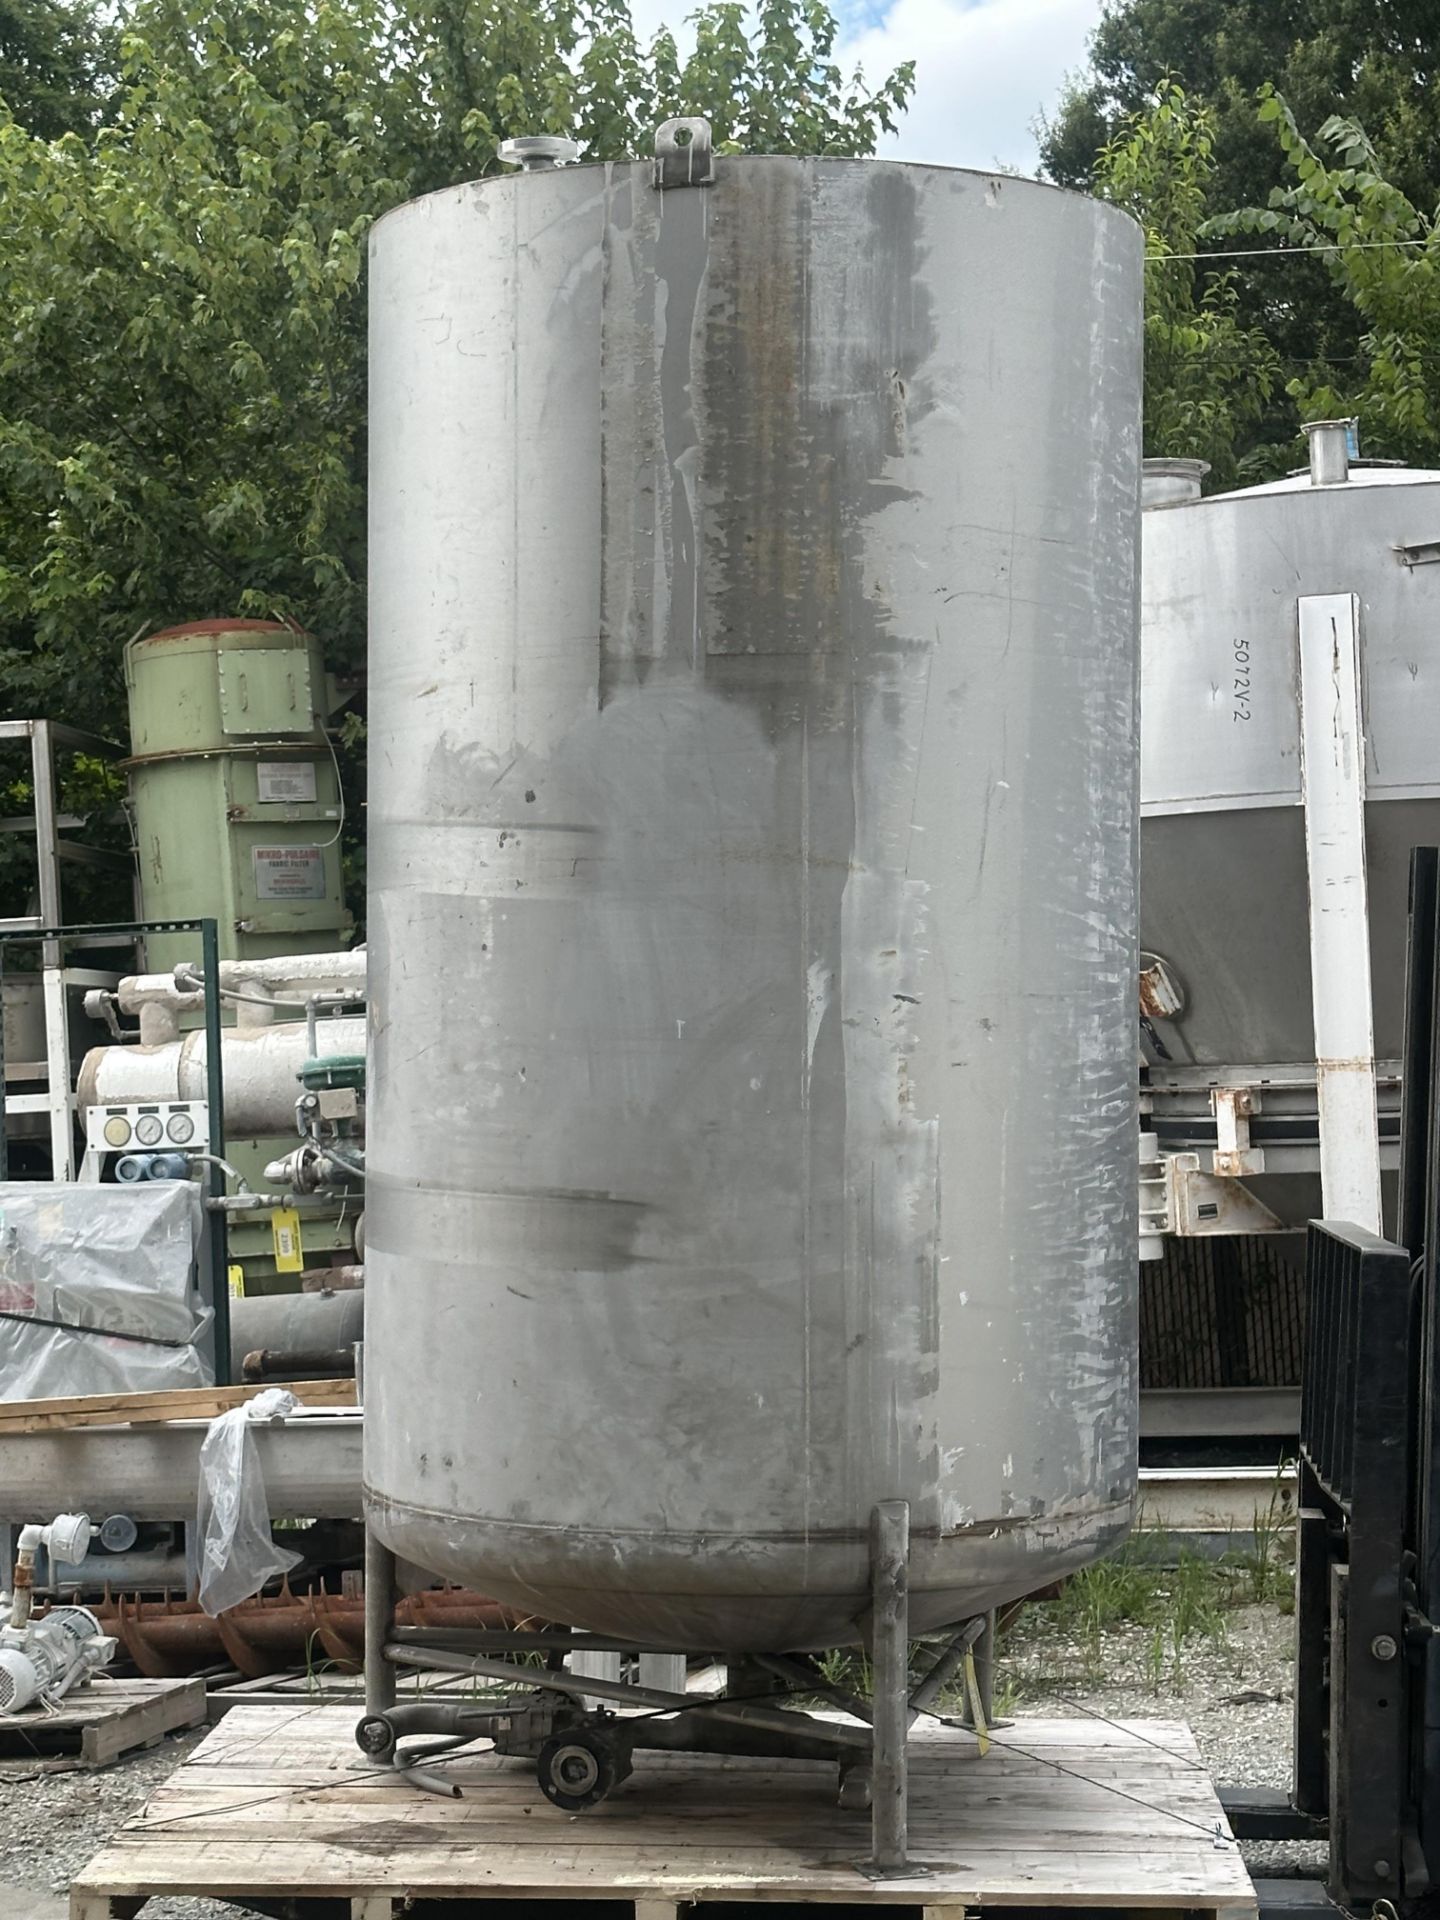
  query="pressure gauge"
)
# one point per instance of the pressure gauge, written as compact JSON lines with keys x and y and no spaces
{"x":181,"y":1129}
{"x":149,"y":1129}
{"x":117,"y":1131}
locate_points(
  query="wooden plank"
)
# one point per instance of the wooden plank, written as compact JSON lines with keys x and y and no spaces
{"x":105,"y":1720}
{"x":279,"y":1803}
{"x":89,"y":1906}
{"x":143,"y":1721}
{"x":146,"y":1409}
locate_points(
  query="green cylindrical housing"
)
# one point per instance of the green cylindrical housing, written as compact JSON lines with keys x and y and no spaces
{"x":236,"y":793}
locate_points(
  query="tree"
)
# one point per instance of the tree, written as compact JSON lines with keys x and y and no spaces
{"x":1208,"y":376}
{"x":182,"y":367}
{"x":57,"y":64}
{"x":1373,"y":61}
{"x":1382,"y":255}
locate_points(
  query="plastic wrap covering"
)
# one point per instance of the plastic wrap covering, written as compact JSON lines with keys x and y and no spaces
{"x":97,"y":1289}
{"x":237,"y":1553}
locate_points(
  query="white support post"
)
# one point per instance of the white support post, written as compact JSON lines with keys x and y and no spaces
{"x":59,"y":1101}
{"x":58,"y":1097}
{"x":1332,"y":784}
{"x":664,"y":1671}
{"x":595,"y":1666}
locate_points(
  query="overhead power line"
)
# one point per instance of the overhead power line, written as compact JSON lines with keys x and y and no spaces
{"x":1296,"y":253}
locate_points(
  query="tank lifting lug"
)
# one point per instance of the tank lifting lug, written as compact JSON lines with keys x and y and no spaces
{"x":684,"y":153}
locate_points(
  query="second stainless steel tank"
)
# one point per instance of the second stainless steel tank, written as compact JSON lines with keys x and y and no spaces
{"x":1225,"y":884}
{"x":752,"y":910}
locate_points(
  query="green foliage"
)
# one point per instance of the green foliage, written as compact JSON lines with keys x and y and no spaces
{"x":57,"y":64}
{"x":182,"y":366}
{"x":1208,"y":376}
{"x":1383,"y":259}
{"x":1375,"y":62}
{"x":181,"y":376}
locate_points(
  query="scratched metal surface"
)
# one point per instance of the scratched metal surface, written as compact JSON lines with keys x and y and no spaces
{"x":752,"y":913}
{"x":1224,"y":895}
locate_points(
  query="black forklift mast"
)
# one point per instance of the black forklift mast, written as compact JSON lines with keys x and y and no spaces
{"x":1367,"y":1670}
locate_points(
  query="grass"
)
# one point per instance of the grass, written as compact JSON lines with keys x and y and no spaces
{"x":1164,"y":1609}
{"x":1176,"y":1604}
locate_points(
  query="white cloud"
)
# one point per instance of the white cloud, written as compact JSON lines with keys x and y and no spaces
{"x":984,"y":72}
{"x":985,"y":69}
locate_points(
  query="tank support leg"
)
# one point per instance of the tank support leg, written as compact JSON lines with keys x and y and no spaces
{"x":984,"y":1651}
{"x":889,"y":1647}
{"x":379,"y":1614}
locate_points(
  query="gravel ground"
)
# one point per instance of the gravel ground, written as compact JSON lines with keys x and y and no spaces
{"x":1233,"y":1687}
{"x":52,"y":1824}
{"x":1232,"y":1683}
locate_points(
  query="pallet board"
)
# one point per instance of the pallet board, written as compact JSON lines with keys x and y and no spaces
{"x":103,"y":1722}
{"x":146,"y":1409}
{"x":278,"y":1803}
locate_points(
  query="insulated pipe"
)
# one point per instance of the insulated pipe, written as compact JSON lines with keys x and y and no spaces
{"x":293,"y":977}
{"x":257,"y":989}
{"x":261,"y":1067}
{"x":311,"y":1466}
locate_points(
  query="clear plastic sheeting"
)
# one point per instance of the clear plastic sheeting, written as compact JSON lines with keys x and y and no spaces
{"x":232,"y":1522}
{"x":98,"y":1291}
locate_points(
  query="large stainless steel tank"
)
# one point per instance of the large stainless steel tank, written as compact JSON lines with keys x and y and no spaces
{"x":1225,"y":898}
{"x":752,"y":890}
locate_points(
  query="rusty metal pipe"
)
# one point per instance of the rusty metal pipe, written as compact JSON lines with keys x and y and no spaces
{"x":282,"y":1363}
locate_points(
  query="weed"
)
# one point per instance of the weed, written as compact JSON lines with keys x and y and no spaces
{"x":1008,"y":1698}
{"x":1155,"y":1659}
{"x":316,"y":1670}
{"x":1266,"y":1565}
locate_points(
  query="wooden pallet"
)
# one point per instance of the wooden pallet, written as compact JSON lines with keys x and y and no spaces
{"x":104,"y":1721}
{"x":150,"y":1409}
{"x":278,"y":1805}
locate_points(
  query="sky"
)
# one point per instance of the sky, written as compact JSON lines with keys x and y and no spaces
{"x":986,"y":69}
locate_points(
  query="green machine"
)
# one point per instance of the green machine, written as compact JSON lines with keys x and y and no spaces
{"x":237,"y":805}
{"x":234,"y":787}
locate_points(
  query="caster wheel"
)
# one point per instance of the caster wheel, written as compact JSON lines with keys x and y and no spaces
{"x":375,"y":1736}
{"x":576,"y":1770}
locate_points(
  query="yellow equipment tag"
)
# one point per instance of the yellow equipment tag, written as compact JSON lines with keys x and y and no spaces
{"x":285,"y":1232}
{"x":237,"y":1283}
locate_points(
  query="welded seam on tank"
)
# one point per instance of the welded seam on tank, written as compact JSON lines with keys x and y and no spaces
{"x":814,"y":1015}
{"x":684,"y":233}
{"x":1079,"y":1513}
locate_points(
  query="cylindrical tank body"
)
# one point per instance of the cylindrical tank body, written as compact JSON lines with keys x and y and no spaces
{"x":237,"y":803}
{"x":1225,"y":893}
{"x":752,"y":890}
